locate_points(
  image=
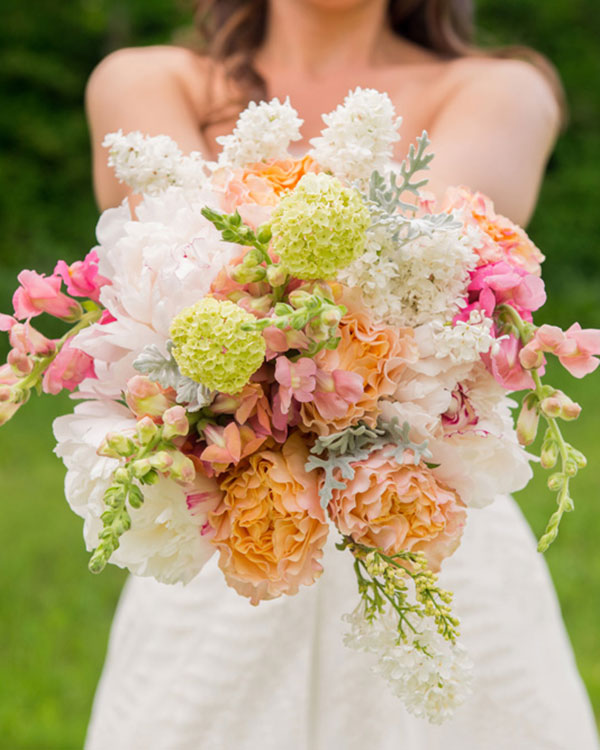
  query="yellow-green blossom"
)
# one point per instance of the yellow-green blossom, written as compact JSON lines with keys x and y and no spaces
{"x":210,"y":346}
{"x":319,"y":227}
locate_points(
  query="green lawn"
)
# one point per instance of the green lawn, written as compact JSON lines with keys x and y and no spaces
{"x":56,"y":615}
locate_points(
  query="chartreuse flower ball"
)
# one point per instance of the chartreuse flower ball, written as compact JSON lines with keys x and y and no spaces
{"x":211,"y":348}
{"x":319,"y":227}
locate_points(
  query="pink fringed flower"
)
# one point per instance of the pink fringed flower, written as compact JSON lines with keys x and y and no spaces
{"x":502,"y":240}
{"x":67,"y":370}
{"x":40,"y":294}
{"x":82,"y":278}
{"x":397,"y":507}
{"x":500,"y":283}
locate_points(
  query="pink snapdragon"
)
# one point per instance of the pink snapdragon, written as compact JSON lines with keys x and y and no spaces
{"x":279,"y":341}
{"x":295,"y":379}
{"x":82,"y":278}
{"x":228,"y":445}
{"x":146,"y":398}
{"x":576,"y":348}
{"x":38,"y":294}
{"x":336,"y":391}
{"x":8,"y":407}
{"x":67,"y":369}
{"x":25,"y":338}
{"x":505,"y":366}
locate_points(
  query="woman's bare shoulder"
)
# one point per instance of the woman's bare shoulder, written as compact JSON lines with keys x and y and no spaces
{"x":160,"y":68}
{"x":509,"y":82}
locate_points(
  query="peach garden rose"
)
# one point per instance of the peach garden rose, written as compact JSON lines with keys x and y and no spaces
{"x":270,"y":528}
{"x":398,"y":507}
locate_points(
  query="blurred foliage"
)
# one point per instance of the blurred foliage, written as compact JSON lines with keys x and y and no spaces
{"x":57,"y":620}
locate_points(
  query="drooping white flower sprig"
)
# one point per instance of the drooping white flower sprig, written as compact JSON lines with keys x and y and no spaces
{"x":263,"y":131}
{"x":359,"y":135}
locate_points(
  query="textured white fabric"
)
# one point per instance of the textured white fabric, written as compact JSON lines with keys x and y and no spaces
{"x":198,"y":668}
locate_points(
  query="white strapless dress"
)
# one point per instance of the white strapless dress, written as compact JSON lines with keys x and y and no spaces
{"x":199,"y":668}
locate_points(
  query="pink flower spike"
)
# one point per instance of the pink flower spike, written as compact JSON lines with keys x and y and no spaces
{"x":576,"y":352}
{"x":67,"y":370}
{"x":38,"y":294}
{"x":82,"y":278}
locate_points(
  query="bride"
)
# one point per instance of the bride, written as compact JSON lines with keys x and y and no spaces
{"x":196,"y":667}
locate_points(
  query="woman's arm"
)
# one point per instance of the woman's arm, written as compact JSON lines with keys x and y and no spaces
{"x":140,"y":89}
{"x":495,"y":133}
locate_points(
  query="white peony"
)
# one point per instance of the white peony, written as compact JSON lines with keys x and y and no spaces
{"x":359,"y":136}
{"x":159,"y":264}
{"x":165,"y":540}
{"x":263,"y":131}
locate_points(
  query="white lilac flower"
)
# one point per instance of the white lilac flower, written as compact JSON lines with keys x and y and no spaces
{"x":165,"y":540}
{"x":417,"y":280}
{"x":359,"y":136}
{"x":465,"y":341}
{"x":433,"y":684}
{"x":151,"y":164}
{"x":263,"y":131}
{"x":159,"y":264}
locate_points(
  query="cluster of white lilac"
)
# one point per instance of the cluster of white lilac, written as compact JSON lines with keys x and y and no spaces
{"x":359,"y":136}
{"x":415,"y":281}
{"x":465,"y":341}
{"x":431,"y":675}
{"x":263,"y":131}
{"x":151,"y":164}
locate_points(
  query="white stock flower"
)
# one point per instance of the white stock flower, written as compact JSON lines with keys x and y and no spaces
{"x":359,"y":136}
{"x":464,"y":341}
{"x":417,"y":280}
{"x":165,"y":540}
{"x":263,"y":131}
{"x":431,"y":685}
{"x":151,"y":164}
{"x":158,"y":265}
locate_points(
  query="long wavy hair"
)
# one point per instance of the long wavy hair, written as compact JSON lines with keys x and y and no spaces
{"x":232,"y":30}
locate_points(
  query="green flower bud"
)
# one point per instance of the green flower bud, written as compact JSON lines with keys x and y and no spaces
{"x":264,"y":234}
{"x":244,"y":275}
{"x":121,"y":475}
{"x":121,"y":444}
{"x":141,"y":467}
{"x":276,"y":275}
{"x":146,"y":430}
{"x":549,"y":455}
{"x":556,"y":481}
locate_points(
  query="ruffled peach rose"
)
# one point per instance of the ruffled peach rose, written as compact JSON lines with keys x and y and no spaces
{"x":257,"y":188}
{"x":397,"y":507}
{"x":377,"y":353}
{"x":270,"y":528}
{"x":503,"y":240}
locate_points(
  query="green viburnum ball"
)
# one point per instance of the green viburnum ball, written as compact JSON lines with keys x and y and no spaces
{"x":211,"y":348}
{"x":319,"y":227}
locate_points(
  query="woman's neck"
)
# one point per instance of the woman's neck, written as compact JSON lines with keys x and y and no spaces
{"x":313,"y":41}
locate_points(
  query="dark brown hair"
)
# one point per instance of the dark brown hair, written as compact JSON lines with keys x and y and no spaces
{"x":232,"y":30}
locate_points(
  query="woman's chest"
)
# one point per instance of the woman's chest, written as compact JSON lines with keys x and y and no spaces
{"x":417,"y":96}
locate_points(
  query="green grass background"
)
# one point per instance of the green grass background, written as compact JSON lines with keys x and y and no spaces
{"x":54,"y":616}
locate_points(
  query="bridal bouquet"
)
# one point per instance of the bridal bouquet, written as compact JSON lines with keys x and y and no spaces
{"x":278,"y":348}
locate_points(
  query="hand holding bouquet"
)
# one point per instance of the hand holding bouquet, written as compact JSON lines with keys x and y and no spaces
{"x":278,"y":348}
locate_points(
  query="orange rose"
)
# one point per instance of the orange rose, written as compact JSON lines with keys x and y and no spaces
{"x":281,"y":175}
{"x":397,"y":507}
{"x":377,"y":353}
{"x":270,"y":528}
